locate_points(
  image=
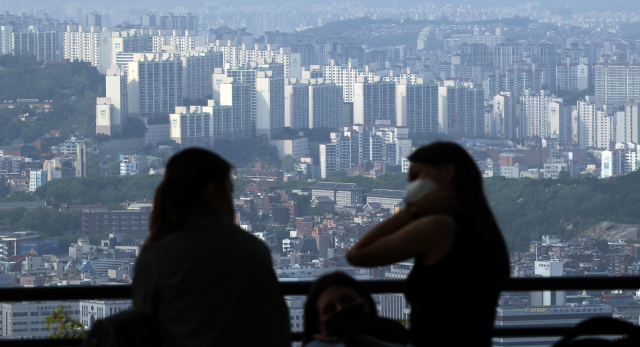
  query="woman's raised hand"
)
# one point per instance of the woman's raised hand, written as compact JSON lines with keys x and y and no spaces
{"x":440,"y":200}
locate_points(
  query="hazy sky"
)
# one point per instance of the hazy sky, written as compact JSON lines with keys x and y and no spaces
{"x":577,"y":5}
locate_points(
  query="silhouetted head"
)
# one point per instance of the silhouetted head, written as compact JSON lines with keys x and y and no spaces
{"x":194,"y":178}
{"x":447,"y":163}
{"x":329,"y":295}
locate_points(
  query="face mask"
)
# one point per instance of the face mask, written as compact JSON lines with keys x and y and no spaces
{"x":418,"y":188}
{"x":339,"y":324}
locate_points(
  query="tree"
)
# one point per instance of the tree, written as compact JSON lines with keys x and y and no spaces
{"x":133,"y":127}
{"x":92,"y":167}
{"x":114,"y":167}
{"x":64,"y":326}
{"x":102,"y":137}
{"x":21,"y":196}
{"x":288,"y":163}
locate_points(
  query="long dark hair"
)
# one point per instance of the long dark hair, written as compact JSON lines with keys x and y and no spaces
{"x":469,"y":190}
{"x":311,"y":314}
{"x":188,"y":174}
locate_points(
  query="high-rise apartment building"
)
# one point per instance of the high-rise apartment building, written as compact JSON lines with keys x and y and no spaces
{"x":617,"y":83}
{"x":241,"y":98}
{"x":373,"y":101}
{"x":506,"y":55}
{"x":111,"y":118}
{"x":313,"y":104}
{"x":517,"y":79}
{"x":94,"y":19}
{"x":269,"y":104}
{"x":594,"y":124}
{"x":461,"y":109}
{"x":148,"y":20}
{"x":5,"y":39}
{"x":544,"y":116}
{"x":119,"y":47}
{"x":417,"y":106}
{"x":198,"y":71}
{"x":626,"y":129}
{"x":173,"y":22}
{"x":41,"y":45}
{"x":560,"y":121}
{"x":104,"y":116}
{"x":243,"y":76}
{"x":379,"y":143}
{"x":502,"y":122}
{"x":476,"y":54}
{"x":201,"y":126}
{"x":619,"y":161}
{"x":346,"y":77}
{"x":572,"y":75}
{"x":83,"y":43}
{"x":545,"y":56}
{"x":154,"y":84}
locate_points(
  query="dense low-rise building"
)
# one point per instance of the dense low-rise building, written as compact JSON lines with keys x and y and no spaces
{"x":385,"y":197}
{"x":342,"y":194}
{"x":98,"y":220}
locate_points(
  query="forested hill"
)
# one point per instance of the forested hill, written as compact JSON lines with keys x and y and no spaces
{"x":528,"y":208}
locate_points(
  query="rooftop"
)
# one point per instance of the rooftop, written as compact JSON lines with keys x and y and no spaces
{"x":386,"y":193}
{"x":336,"y":186}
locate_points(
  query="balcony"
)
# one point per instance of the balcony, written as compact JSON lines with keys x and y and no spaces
{"x":301,"y":288}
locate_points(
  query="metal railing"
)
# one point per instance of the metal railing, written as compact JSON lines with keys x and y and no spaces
{"x":301,"y":288}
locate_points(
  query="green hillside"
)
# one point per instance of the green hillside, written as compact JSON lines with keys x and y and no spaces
{"x":524,"y":208}
{"x":527,"y":208}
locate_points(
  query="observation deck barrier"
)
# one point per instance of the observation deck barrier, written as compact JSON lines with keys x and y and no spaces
{"x":301,"y":288}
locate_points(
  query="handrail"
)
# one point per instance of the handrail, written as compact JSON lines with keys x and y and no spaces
{"x":301,"y":288}
{"x":297,"y":336}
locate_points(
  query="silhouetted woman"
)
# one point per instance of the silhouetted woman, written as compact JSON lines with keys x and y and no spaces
{"x":460,"y":256}
{"x":340,"y":312}
{"x":207,"y":281}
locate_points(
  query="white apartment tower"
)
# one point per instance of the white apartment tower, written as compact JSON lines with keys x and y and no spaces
{"x":460,"y":109}
{"x":154,"y":84}
{"x":345,"y":77}
{"x":5,"y":39}
{"x":313,"y":104}
{"x":617,"y":83}
{"x":83,"y":43}
{"x":619,"y":161}
{"x":417,"y":106}
{"x":201,"y":125}
{"x":240,"y":97}
{"x":118,"y":95}
{"x":380,"y":143}
{"x":505,"y":56}
{"x":572,"y":75}
{"x":502,"y":120}
{"x":594,"y":125}
{"x":41,"y":45}
{"x":627,"y":123}
{"x":373,"y":101}
{"x":269,"y":104}
{"x":104,"y":116}
{"x":199,"y":68}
